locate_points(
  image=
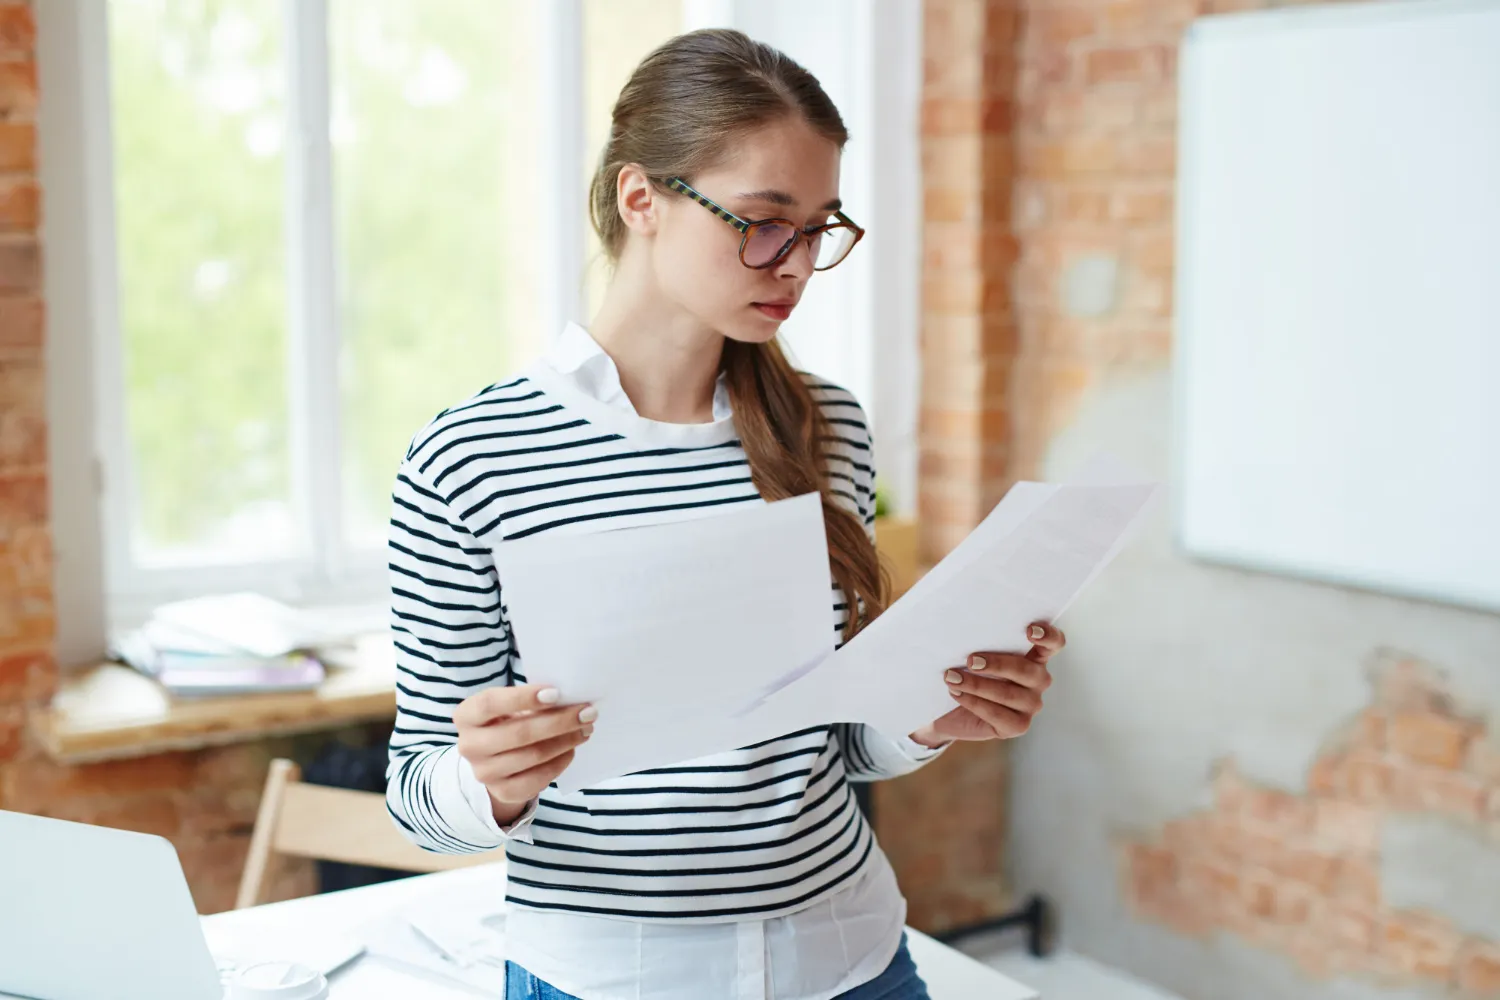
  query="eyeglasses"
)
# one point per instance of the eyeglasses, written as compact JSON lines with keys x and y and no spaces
{"x":766,"y":242}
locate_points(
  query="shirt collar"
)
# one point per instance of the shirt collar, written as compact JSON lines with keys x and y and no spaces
{"x":577,"y":357}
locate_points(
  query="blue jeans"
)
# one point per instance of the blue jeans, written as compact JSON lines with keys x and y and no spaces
{"x":899,"y":981}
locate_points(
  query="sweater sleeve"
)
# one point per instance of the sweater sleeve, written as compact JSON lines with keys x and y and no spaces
{"x":451,"y":640}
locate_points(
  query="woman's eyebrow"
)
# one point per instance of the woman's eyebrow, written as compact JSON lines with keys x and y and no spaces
{"x":776,"y":197}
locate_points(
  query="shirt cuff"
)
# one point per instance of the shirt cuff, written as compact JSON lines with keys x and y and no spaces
{"x":477,"y":797}
{"x":917,"y":752}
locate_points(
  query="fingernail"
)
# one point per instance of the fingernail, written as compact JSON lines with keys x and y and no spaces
{"x":953,"y":677}
{"x":549,"y":696}
{"x":976,"y":662}
{"x":955,"y":692}
{"x":589,"y":714}
{"x":588,"y":731}
{"x":1037,"y":632}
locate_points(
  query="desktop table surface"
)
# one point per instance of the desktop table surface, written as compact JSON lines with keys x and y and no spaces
{"x":950,"y":975}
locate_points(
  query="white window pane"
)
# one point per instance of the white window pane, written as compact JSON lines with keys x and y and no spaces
{"x":434,"y":135}
{"x":617,"y":35}
{"x":198,"y":124}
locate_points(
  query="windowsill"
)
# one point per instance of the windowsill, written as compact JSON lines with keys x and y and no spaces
{"x":111,"y":711}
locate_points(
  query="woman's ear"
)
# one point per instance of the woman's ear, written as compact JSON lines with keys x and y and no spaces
{"x":637,"y":200}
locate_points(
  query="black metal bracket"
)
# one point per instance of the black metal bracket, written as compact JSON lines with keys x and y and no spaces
{"x":1036,"y":916}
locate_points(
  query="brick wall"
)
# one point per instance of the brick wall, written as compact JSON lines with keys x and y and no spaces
{"x":1049,"y":158}
{"x":204,"y":801}
{"x":944,"y":827}
{"x":1300,"y":874}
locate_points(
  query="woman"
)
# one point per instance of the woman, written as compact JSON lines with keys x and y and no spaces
{"x":751,"y":873}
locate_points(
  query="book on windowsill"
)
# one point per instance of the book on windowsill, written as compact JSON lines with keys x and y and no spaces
{"x":196,"y":655}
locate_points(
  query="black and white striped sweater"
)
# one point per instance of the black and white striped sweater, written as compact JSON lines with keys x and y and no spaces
{"x":749,"y":834}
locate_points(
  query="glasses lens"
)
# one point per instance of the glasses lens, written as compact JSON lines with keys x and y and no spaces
{"x":766,"y":242}
{"x":834,"y":247}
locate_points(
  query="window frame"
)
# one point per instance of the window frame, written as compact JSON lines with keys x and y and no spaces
{"x":99,"y":585}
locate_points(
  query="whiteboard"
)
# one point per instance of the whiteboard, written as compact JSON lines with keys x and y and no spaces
{"x":1337,"y":353}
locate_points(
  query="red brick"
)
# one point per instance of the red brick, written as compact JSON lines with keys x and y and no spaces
{"x":1348,"y":927}
{"x":1152,"y":872}
{"x":962,"y":248}
{"x":1148,"y":156}
{"x":965,"y":291}
{"x":18,"y":89}
{"x":1073,"y":157}
{"x":1418,"y":945}
{"x":17,"y":147}
{"x":1358,"y":881}
{"x":965,"y":426}
{"x":21,"y":319}
{"x":20,"y":264}
{"x":24,"y":499}
{"x":1345,"y":826}
{"x":26,"y":677}
{"x":1368,"y":777}
{"x":17,"y":28}
{"x":1369,"y":730}
{"x":12,"y":742}
{"x":1326,"y":775}
{"x":1153,"y":249}
{"x":1277,"y":813}
{"x":23,"y":416}
{"x":1144,"y":64}
{"x":1083,"y":205}
{"x":959,"y":116}
{"x":1311,"y":868}
{"x":962,"y":465}
{"x":1146,"y":205}
{"x":1433,"y":789}
{"x":45,"y":783}
{"x":1478,"y":969}
{"x":1430,"y":738}
{"x":1158,"y":109}
{"x":20,"y":204}
{"x":1147,"y":296}
{"x":1060,"y":27}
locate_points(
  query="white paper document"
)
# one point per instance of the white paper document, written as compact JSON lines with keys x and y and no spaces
{"x":1026,"y":562}
{"x":699,"y":637}
{"x":669,"y":629}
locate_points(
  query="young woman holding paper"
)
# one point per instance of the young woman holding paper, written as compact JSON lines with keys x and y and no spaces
{"x":751,"y":873}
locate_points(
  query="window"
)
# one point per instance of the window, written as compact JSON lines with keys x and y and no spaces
{"x":309,"y":225}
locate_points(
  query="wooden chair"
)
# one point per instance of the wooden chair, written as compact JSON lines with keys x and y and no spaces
{"x":331,"y":824}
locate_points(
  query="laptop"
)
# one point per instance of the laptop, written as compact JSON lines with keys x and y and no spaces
{"x":87,"y":913}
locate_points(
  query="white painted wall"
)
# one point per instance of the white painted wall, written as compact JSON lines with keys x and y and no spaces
{"x":1173,"y":665}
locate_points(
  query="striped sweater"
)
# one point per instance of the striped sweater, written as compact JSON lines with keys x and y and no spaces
{"x":753,"y":833}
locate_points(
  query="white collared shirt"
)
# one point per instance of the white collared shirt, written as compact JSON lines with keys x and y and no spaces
{"x":829,"y":947}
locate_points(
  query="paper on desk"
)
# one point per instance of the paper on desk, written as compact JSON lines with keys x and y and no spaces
{"x":1026,"y":562}
{"x":668,"y":629}
{"x":454,"y":936}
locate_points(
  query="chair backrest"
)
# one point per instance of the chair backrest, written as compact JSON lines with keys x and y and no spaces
{"x":331,"y":824}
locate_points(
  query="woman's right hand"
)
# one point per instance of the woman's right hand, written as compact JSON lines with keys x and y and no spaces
{"x":518,"y":740}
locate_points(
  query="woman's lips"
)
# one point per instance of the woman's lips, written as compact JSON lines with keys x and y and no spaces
{"x":775,"y":311}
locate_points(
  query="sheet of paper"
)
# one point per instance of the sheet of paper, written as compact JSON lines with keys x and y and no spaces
{"x":1025,"y":562}
{"x":670,"y":629}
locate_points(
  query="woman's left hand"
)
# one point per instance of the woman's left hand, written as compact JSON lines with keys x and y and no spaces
{"x":998,"y":694}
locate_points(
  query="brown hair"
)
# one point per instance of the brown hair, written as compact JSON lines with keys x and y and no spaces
{"x":683,"y":105}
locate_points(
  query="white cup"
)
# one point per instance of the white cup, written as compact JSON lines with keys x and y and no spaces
{"x":278,"y":981}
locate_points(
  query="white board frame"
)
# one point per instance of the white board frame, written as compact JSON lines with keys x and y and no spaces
{"x":1203,"y":530}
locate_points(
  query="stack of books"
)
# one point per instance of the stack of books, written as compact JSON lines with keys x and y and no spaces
{"x":232,"y":644}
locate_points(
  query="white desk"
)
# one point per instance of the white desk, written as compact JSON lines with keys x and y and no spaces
{"x":950,"y":975}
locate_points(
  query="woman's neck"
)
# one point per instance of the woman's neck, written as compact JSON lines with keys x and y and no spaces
{"x":668,"y":361}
